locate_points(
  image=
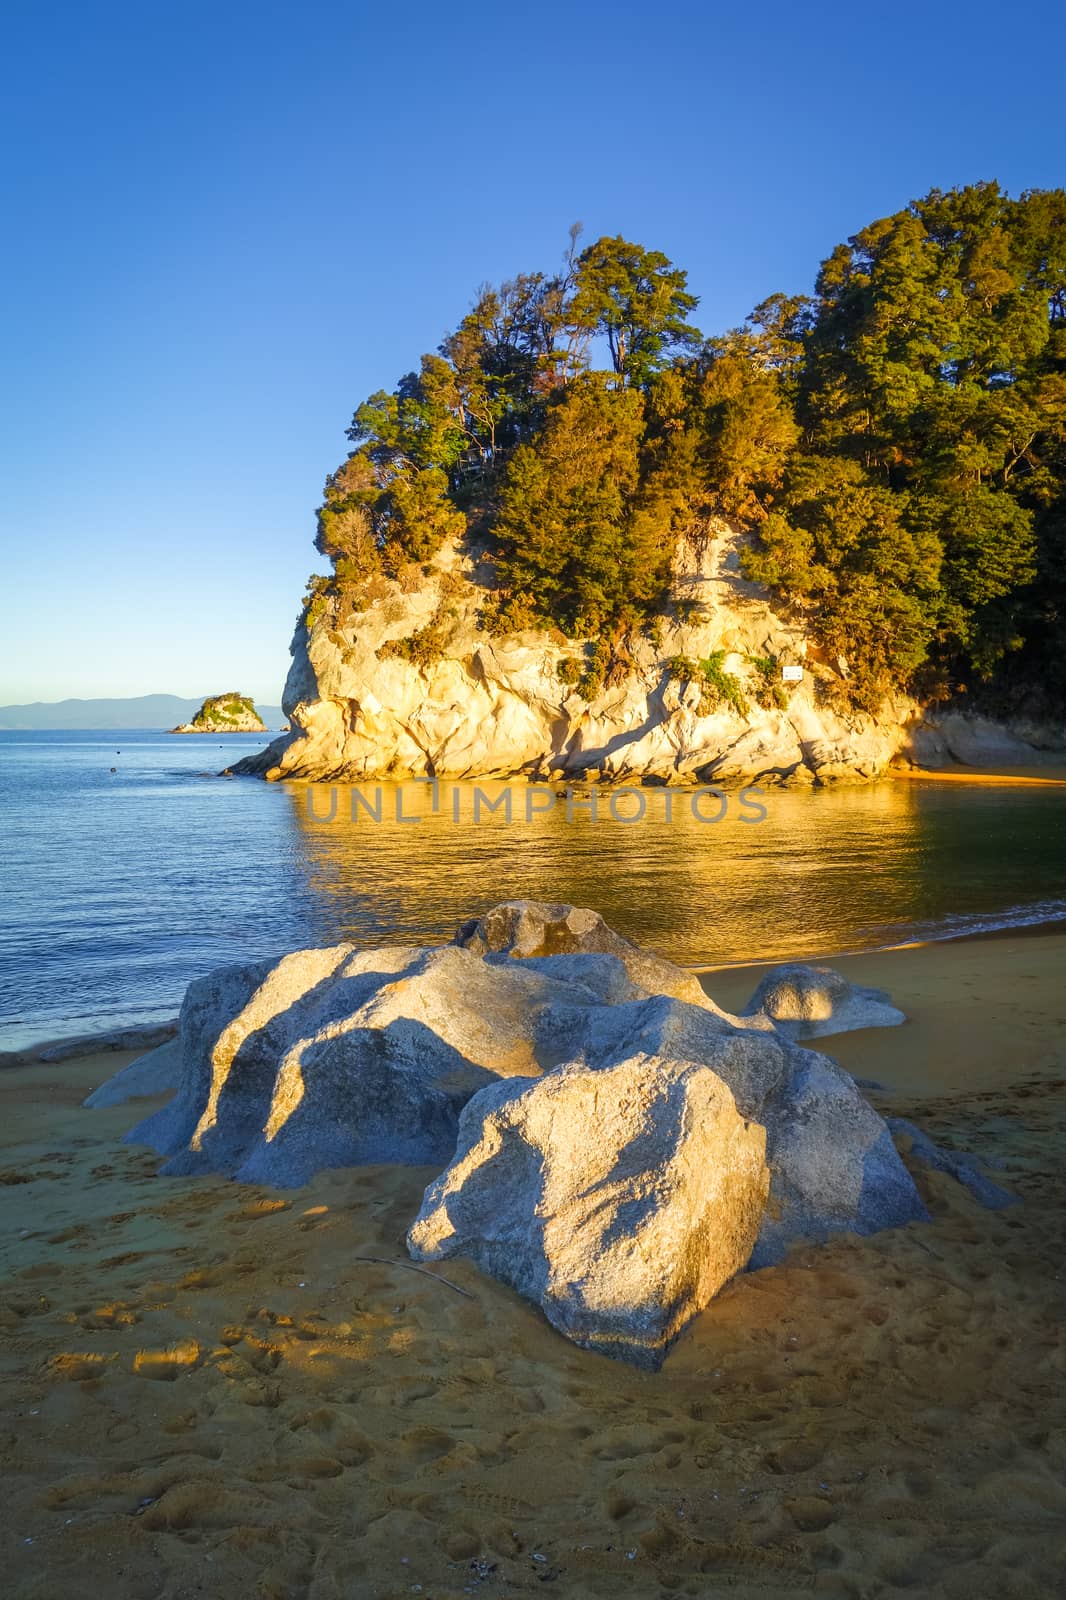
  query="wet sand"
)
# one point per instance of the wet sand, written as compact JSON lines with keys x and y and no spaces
{"x":215,"y":1390}
{"x":1053,"y":773}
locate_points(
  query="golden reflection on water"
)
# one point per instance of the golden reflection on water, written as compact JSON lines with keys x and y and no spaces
{"x":821,"y":871}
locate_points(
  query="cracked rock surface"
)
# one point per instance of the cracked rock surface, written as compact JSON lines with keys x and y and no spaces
{"x":609,"y":1142}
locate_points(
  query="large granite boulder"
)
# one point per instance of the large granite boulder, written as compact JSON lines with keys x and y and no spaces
{"x":335,"y":1056}
{"x":807,"y":1002}
{"x":831,"y":1162}
{"x":615,"y":1145}
{"x":619,"y":1198}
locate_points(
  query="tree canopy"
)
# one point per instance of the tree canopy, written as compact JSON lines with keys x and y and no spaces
{"x":895,"y":445}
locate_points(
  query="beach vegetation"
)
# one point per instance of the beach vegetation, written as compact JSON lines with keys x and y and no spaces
{"x":768,"y":689}
{"x":717,"y":687}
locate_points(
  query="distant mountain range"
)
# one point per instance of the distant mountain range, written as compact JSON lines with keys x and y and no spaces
{"x":153,"y":711}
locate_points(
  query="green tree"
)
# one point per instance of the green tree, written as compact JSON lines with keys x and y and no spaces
{"x":504,"y":355}
{"x":748,"y":430}
{"x":573,"y":547}
{"x":638,"y":300}
{"x":928,"y":365}
{"x":896,"y":445}
{"x":391,"y":501}
{"x":868,"y":580}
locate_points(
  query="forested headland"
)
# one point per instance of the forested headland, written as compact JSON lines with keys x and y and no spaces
{"x":894,"y":444}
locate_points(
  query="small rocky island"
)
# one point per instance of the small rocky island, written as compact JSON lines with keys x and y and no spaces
{"x":225,"y":713}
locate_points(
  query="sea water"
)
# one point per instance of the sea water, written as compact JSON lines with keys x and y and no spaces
{"x":128,"y":866}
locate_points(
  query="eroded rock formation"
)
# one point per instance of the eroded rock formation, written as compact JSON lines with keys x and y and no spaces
{"x":615,"y":1145}
{"x":414,"y":683}
{"x":620,"y":1198}
{"x":405,"y":678}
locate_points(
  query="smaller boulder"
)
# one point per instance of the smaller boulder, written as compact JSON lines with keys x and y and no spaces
{"x":153,"y":1073}
{"x":958,"y":1164}
{"x":806,"y":1002}
{"x":620,"y":1199}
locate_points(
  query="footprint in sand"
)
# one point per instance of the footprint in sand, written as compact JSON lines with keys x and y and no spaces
{"x":202,"y":1278}
{"x":257,"y":1209}
{"x":166,"y":1365}
{"x":75,"y":1366}
{"x":501,"y":1505}
{"x":118,"y":1315}
{"x":625,"y":1444}
{"x":311,"y":1467}
{"x":796,"y":1455}
{"x":811,"y":1513}
{"x":77,"y":1230}
{"x":422,"y":1445}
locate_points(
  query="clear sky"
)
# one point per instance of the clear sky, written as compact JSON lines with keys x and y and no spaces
{"x":227,"y":223}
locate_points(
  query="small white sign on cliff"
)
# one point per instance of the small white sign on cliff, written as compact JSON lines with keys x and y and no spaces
{"x":792,"y":674}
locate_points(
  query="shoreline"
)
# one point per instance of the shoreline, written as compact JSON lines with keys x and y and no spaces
{"x":1049,"y":926}
{"x":1052,"y":774}
{"x":960,"y":774}
{"x":74,"y":1047}
{"x":51,"y":1051}
{"x":983,"y":1013}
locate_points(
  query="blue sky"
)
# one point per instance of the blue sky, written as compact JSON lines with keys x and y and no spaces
{"x":226,"y":224}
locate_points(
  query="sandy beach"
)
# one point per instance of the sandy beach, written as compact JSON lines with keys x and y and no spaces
{"x":218,"y":1390}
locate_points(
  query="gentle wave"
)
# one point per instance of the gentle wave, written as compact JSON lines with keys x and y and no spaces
{"x":1044,"y":914}
{"x":1028,"y":916}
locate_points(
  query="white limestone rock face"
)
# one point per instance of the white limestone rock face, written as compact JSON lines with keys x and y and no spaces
{"x":808,"y":1002}
{"x":490,"y":706}
{"x":620,"y":1199}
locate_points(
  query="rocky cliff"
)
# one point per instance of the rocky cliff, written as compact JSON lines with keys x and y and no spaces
{"x":407,"y":678}
{"x":224,"y":713}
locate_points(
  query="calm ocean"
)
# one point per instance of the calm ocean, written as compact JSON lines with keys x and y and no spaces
{"x":120,"y":886}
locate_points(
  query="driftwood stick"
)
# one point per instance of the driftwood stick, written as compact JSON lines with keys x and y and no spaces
{"x":409,"y":1266}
